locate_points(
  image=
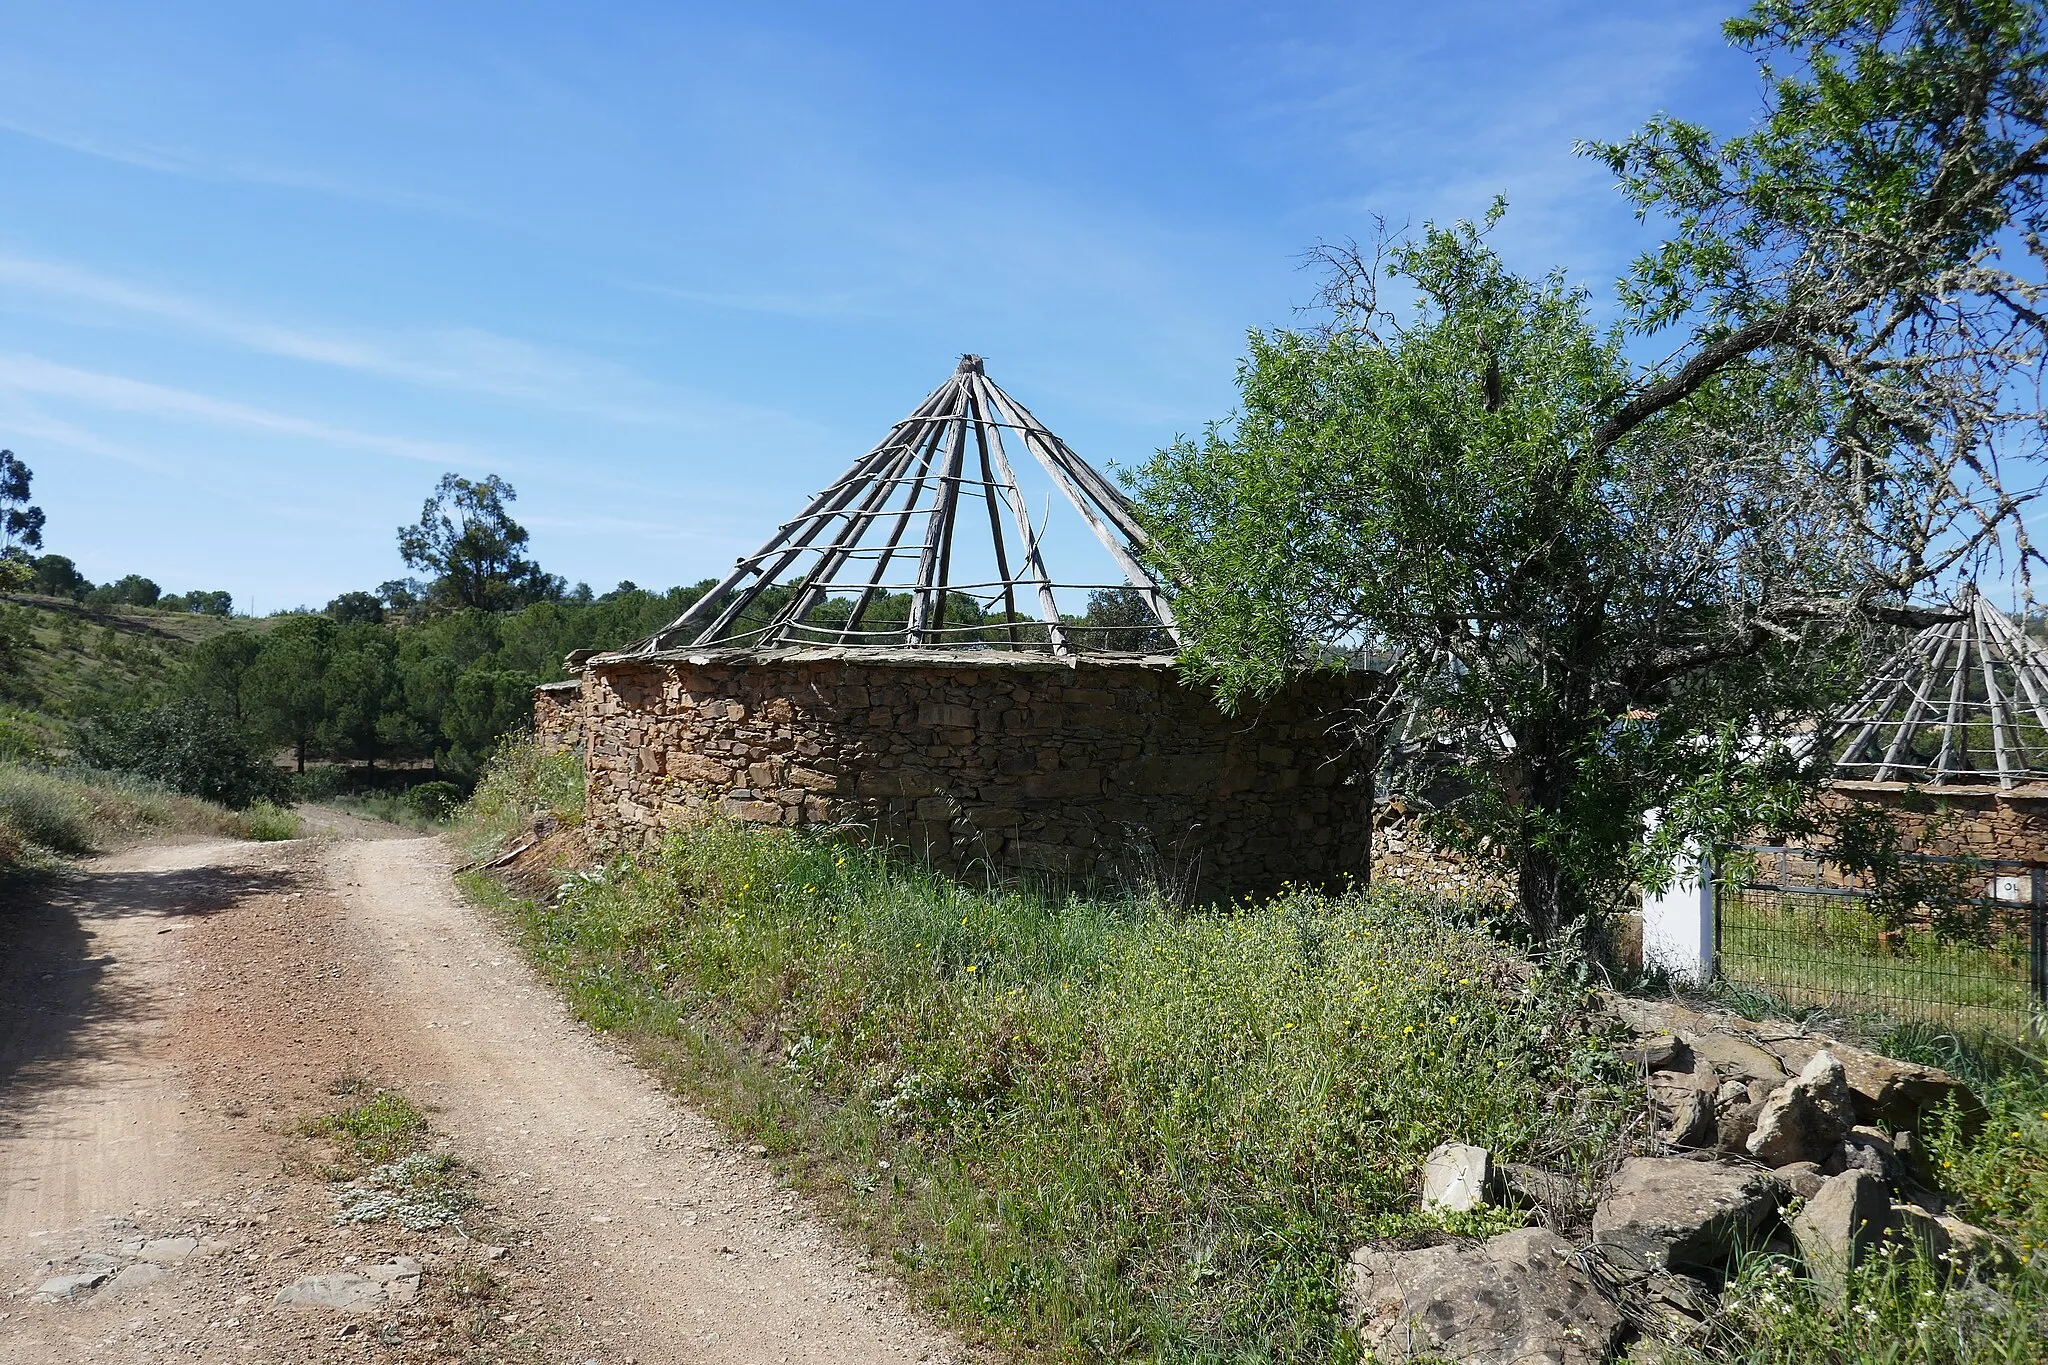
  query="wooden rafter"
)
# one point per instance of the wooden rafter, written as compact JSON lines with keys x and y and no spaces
{"x":829,"y":566}
{"x":1970,"y":690}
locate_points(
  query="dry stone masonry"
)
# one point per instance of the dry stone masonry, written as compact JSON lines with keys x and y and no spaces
{"x":1093,"y":767}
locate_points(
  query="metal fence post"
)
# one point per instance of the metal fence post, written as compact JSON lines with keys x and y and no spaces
{"x":2037,"y":935}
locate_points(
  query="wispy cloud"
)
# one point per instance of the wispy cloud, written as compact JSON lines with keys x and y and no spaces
{"x":32,"y":374}
{"x":459,"y":359}
{"x":176,"y":161}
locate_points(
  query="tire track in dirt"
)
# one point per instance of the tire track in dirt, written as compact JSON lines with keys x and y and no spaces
{"x":171,"y":1015}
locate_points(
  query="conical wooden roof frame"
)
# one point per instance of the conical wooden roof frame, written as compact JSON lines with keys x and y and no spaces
{"x":921,"y":476}
{"x":1964,"y":704}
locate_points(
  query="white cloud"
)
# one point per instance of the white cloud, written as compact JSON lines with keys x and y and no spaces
{"x":171,"y":161}
{"x":32,"y":374}
{"x":459,"y":359}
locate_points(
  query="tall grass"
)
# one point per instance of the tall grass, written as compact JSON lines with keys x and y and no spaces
{"x":48,"y":813}
{"x":1104,"y":1127}
{"x":519,"y":782}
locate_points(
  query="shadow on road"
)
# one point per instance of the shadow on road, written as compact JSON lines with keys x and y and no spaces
{"x":66,"y":995}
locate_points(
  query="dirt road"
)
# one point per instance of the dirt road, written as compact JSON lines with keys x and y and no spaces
{"x":171,"y":1017}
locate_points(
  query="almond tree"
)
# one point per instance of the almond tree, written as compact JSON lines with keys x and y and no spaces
{"x":1596,"y":581}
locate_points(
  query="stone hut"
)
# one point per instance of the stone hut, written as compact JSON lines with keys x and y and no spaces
{"x":1954,"y":726}
{"x":963,"y":708}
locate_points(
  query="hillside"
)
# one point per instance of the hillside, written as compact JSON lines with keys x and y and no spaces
{"x":60,"y":659}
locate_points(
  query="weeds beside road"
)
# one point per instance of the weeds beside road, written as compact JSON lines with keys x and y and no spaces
{"x":50,"y":813}
{"x":1092,"y":1125}
{"x":1101,"y":1126}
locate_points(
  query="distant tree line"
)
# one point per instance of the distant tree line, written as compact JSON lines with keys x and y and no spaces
{"x":57,"y":576}
{"x":440,"y":666}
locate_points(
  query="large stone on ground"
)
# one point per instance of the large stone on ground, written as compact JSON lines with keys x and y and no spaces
{"x":1456,"y":1177}
{"x":1683,"y":1100}
{"x":1735,"y":1058}
{"x":1657,"y":1052}
{"x":1893,"y":1094}
{"x":1866,"y":1149}
{"x":1806,"y":1118}
{"x":1850,"y":1214}
{"x":343,"y":1289}
{"x":1803,"y":1178}
{"x":399,"y":1278}
{"x":1518,"y":1299}
{"x":1887,"y":1092}
{"x":73,"y":1285}
{"x":1667,"y":1213}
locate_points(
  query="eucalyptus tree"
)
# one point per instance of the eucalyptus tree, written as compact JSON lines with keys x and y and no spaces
{"x":1599,"y":579}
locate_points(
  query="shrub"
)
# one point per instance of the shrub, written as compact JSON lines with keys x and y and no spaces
{"x":20,"y":740}
{"x":268,"y":823}
{"x":519,"y":782}
{"x":44,"y":810}
{"x":433,"y":800}
{"x":189,"y":747}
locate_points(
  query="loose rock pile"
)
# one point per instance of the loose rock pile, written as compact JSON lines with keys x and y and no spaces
{"x":1772,"y":1138}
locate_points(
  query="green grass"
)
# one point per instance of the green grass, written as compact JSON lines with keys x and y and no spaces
{"x":268,"y":823}
{"x":1826,"y":951}
{"x":518,"y":783}
{"x":1899,"y":1309}
{"x":384,"y":1170}
{"x":380,"y":1129}
{"x":1093,"y":1127}
{"x":47,"y":814}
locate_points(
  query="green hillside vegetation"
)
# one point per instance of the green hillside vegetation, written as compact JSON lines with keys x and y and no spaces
{"x":70,"y":656}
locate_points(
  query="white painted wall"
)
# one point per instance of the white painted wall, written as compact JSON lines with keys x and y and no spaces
{"x":1678,"y":924}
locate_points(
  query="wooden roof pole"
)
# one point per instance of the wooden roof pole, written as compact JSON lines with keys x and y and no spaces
{"x":1994,"y":703}
{"x":1048,"y":450}
{"x":930,"y":445}
{"x":834,"y":495}
{"x":1034,"y":563}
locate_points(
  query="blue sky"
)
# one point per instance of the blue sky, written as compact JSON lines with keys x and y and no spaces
{"x":267,"y":271}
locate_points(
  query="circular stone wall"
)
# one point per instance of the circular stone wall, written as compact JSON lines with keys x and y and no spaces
{"x":1105,"y":767}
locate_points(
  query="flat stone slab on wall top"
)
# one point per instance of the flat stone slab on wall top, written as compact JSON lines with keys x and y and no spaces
{"x":894,"y":657}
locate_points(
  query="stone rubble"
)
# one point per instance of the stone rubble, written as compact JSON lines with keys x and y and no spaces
{"x":1777,"y":1138}
{"x":1518,"y":1298}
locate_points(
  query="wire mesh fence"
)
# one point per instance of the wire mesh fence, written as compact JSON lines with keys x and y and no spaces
{"x":1790,"y":925}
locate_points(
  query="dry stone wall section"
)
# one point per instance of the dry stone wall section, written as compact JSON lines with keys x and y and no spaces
{"x":558,"y":716}
{"x":1103,"y":768}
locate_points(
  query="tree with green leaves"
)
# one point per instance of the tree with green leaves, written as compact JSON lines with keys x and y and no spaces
{"x":189,"y":747}
{"x":21,"y":524}
{"x":469,"y":542}
{"x":362,"y":696}
{"x":217,"y":669}
{"x":1595,"y":584}
{"x":284,"y":692}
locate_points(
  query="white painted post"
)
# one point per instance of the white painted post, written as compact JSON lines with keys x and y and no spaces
{"x":1678,"y":923}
